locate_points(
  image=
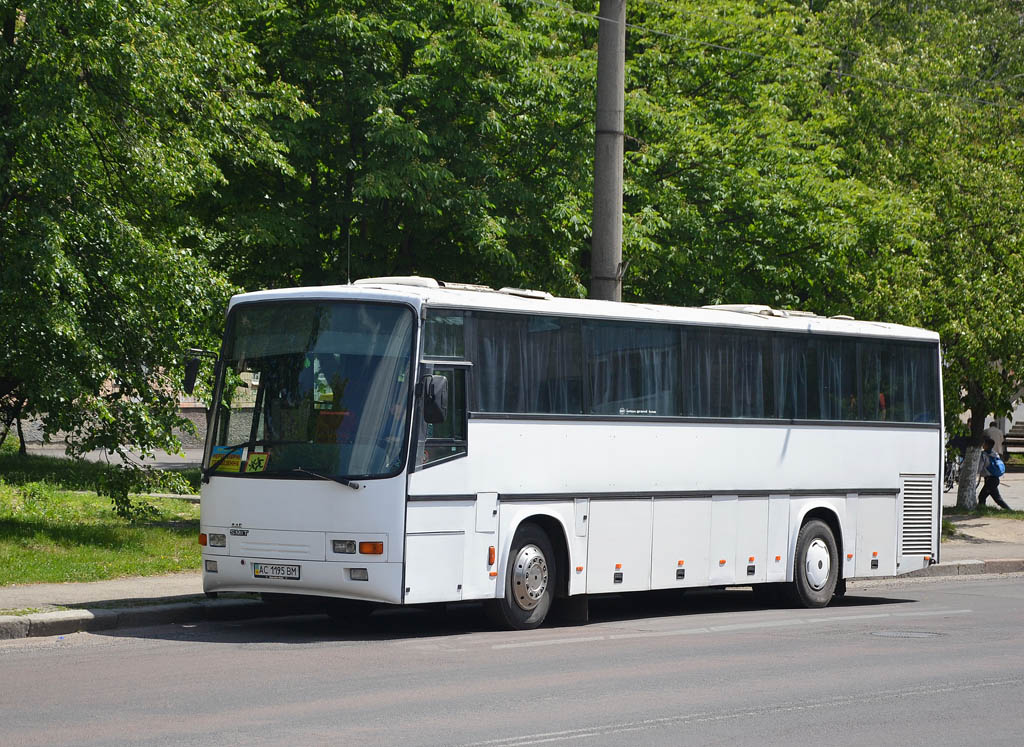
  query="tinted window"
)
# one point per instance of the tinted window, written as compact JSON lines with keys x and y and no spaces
{"x":444,"y":334}
{"x":724,"y":374}
{"x":545,"y":364}
{"x":527,"y":364}
{"x":632,"y":369}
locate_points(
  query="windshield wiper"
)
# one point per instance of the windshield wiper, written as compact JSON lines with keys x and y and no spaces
{"x":340,"y":480}
{"x":238,"y":448}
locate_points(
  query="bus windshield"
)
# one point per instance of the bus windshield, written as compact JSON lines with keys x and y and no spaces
{"x":313,"y":388}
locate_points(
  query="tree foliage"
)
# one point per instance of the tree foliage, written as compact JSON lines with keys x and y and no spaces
{"x":850,"y":156}
{"x":113,"y":115}
{"x":452,"y":139}
{"x":935,"y":111}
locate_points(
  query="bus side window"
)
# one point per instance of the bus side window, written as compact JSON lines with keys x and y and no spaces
{"x":440,"y":442}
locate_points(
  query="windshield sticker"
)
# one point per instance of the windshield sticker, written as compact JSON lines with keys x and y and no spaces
{"x":231,"y":463}
{"x":334,"y":427}
{"x":257,"y":461}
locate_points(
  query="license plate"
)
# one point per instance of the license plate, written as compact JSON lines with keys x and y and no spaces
{"x":275,"y":570}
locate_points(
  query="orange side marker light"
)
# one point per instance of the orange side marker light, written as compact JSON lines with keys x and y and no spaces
{"x":490,"y":555}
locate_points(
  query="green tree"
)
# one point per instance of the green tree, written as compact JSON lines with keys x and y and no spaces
{"x":113,"y":114}
{"x":452,"y":139}
{"x":935,"y":110}
{"x":735,"y":180}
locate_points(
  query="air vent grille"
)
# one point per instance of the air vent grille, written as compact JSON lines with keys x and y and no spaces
{"x":918,"y":519}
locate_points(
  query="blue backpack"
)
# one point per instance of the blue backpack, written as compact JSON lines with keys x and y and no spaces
{"x":996,"y":468}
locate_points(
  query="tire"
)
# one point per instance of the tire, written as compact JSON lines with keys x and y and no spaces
{"x":816,"y":565}
{"x":530,"y":579}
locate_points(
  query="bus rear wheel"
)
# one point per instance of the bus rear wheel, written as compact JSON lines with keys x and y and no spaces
{"x":529,"y":581}
{"x":816,"y":566}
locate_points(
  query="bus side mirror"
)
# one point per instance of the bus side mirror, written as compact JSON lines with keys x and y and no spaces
{"x":191,"y":372}
{"x":435,"y":399}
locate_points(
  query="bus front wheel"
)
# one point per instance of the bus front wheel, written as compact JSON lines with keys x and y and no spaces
{"x":529,"y":581}
{"x":816,"y":566}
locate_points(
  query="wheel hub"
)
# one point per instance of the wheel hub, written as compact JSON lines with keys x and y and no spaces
{"x":818,"y":564}
{"x":529,"y":577}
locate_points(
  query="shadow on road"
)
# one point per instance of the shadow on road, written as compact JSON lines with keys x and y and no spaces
{"x":307,"y":624}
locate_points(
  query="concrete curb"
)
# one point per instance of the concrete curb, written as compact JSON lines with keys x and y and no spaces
{"x":969,"y":568}
{"x":190,"y":609}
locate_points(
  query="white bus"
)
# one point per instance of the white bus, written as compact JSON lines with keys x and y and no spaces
{"x":404,"y":441}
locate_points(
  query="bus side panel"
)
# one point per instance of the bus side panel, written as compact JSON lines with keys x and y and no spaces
{"x":435,"y":549}
{"x":619,"y":554}
{"x":778,"y":538}
{"x":876,"y":535}
{"x":724,"y":518}
{"x":681,"y":542}
{"x":751,"y":566}
{"x":433,"y":567}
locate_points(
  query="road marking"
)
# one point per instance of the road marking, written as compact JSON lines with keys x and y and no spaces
{"x":550,"y":642}
{"x":755,"y":625}
{"x":768,"y":710}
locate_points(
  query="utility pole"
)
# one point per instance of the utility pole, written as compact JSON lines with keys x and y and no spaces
{"x":606,"y":241}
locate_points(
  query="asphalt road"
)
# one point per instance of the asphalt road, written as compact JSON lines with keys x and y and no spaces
{"x":926,"y":662}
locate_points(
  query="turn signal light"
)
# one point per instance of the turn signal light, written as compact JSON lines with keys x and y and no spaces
{"x":202,"y":539}
{"x":371,"y":548}
{"x":490,"y":555}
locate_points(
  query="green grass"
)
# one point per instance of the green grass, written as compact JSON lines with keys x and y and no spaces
{"x":995,"y":511}
{"x":986,"y":510}
{"x":55,"y":528}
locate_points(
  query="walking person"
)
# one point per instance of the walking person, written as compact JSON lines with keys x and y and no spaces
{"x":991,"y":467}
{"x":996,"y":434}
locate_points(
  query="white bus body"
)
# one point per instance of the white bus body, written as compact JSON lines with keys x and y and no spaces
{"x":694,"y":476}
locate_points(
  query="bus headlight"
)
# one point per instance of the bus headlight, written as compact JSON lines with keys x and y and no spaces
{"x":218,"y":540}
{"x":344,"y":547}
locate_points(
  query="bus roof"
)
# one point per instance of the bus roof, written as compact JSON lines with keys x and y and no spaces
{"x":420,"y":291}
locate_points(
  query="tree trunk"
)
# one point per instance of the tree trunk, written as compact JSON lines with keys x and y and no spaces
{"x":967,"y":494}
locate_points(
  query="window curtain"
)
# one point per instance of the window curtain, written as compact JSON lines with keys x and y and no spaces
{"x":632,"y":369}
{"x":525,"y":363}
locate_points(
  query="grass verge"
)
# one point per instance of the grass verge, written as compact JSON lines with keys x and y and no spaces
{"x":55,"y":528}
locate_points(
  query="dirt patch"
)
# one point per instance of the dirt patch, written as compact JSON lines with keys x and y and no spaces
{"x":987,"y":529}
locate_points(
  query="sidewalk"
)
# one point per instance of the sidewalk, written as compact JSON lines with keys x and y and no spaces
{"x":983,"y":545}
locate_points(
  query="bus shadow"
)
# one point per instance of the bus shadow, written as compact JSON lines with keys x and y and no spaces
{"x":448,"y":621}
{"x":709,"y":601}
